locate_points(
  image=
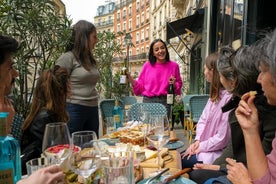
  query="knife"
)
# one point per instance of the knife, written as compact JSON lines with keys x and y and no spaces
{"x":157,"y":176}
{"x":174,"y":176}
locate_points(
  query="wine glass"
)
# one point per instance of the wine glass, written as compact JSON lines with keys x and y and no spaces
{"x":159,"y":134}
{"x":146,"y":124}
{"x":56,"y":142}
{"x":87,"y":160}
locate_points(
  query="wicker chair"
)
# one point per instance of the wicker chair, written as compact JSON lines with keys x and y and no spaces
{"x":106,"y":107}
{"x":152,"y":108}
{"x":128,"y":100}
{"x":16,"y":125}
{"x":197,"y":104}
{"x":186,"y":103}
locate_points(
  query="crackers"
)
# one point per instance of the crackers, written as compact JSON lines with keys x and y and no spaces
{"x":252,"y":93}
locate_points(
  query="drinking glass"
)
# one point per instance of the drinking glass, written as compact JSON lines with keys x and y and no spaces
{"x":87,"y":160}
{"x":159,"y":134}
{"x":56,"y":142}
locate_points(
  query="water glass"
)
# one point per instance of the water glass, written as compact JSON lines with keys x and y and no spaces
{"x":118,"y":170}
{"x":35,"y":164}
{"x":110,"y":126}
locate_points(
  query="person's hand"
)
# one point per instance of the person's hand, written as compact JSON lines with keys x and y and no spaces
{"x":191,"y":150}
{"x":206,"y":166}
{"x":237,"y":172}
{"x":247,"y":114}
{"x":172,"y":79}
{"x":7,"y":106}
{"x":48,"y":175}
{"x":129,"y":78}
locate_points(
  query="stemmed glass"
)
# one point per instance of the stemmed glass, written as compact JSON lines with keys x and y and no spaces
{"x":159,"y":134}
{"x":87,"y":160}
{"x":56,"y":142}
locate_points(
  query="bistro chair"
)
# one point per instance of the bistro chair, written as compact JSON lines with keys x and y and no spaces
{"x":106,"y":107}
{"x":16,"y":126}
{"x":152,"y":108}
{"x":186,"y":103}
{"x":128,"y":100}
{"x":196,"y":104}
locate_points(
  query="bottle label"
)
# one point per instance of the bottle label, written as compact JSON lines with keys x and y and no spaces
{"x":123,"y":79}
{"x":170,"y":99}
{"x":116,"y":119}
{"x":6,"y":176}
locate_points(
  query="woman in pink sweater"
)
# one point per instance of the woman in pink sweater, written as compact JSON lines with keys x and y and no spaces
{"x":156,"y":75}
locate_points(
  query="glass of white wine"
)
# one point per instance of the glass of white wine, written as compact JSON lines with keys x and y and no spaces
{"x":87,"y":160}
{"x":159,"y":134}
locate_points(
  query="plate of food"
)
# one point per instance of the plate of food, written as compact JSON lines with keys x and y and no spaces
{"x":174,"y":145}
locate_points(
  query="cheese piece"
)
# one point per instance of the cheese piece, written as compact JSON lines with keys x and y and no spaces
{"x":150,"y":154}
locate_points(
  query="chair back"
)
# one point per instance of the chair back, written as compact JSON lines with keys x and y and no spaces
{"x":16,"y":126}
{"x":106,"y":107}
{"x":186,"y":102}
{"x":128,"y":100}
{"x":152,"y":108}
{"x":197,"y":104}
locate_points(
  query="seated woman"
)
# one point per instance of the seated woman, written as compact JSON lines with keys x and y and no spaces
{"x":212,"y":130}
{"x":239,"y":72}
{"x":261,"y":167}
{"x":48,"y":105}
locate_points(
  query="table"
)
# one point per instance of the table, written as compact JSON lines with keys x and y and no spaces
{"x":174,"y":164}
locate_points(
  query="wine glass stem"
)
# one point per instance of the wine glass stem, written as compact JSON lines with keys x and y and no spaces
{"x":159,"y":159}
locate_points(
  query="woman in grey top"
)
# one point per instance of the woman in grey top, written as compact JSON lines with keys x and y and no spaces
{"x":82,"y":105}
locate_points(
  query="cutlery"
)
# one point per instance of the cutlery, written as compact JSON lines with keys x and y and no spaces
{"x":175,"y":176}
{"x":157,"y":176}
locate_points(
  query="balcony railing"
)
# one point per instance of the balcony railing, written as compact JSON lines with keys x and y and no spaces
{"x":132,"y":58}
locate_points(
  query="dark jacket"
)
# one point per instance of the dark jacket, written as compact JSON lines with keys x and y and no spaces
{"x":267,"y":118}
{"x":236,"y":148}
{"x":31,"y":142}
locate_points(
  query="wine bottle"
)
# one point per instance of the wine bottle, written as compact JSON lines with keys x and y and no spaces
{"x":117,"y":113}
{"x":10,"y":167}
{"x":123,"y":76}
{"x":170,"y":95}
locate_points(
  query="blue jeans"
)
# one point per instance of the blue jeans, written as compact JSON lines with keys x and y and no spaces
{"x":189,"y":163}
{"x":82,"y":118}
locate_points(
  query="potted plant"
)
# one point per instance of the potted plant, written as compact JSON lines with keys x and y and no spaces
{"x":178,"y":111}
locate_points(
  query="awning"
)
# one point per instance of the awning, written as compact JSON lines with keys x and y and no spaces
{"x":193,"y":23}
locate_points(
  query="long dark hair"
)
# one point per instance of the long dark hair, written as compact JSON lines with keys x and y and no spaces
{"x":152,"y":58}
{"x":50,"y":93}
{"x":79,"y":43}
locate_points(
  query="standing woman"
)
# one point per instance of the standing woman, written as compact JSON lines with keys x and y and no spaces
{"x":78,"y":59}
{"x":156,"y":75}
